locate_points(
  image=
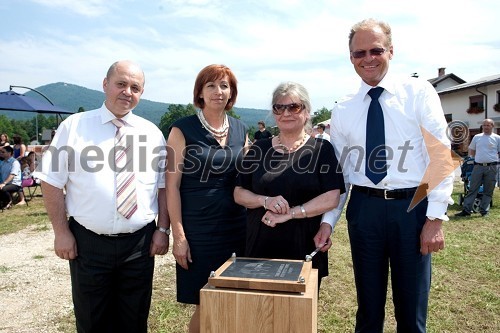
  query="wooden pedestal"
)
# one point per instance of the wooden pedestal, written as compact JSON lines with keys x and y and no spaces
{"x":228,"y":310}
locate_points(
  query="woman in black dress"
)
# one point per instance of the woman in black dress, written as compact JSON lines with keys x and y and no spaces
{"x":207,"y":225}
{"x":287,"y":183}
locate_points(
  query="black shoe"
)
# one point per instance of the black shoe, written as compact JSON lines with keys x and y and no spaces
{"x":485,"y":213}
{"x":463,"y":213}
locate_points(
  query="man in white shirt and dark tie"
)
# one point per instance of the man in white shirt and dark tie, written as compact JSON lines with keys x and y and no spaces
{"x":380,"y":137}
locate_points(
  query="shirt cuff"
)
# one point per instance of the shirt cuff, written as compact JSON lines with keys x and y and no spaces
{"x":329,"y":218}
{"x":437,"y":210}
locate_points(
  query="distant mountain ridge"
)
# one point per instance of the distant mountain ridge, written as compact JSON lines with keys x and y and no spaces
{"x":71,"y":97}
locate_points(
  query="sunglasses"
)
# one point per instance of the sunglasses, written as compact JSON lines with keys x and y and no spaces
{"x":278,"y":109}
{"x":378,"y":51}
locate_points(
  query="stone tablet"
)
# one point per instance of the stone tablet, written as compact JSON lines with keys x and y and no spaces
{"x":264,"y":269}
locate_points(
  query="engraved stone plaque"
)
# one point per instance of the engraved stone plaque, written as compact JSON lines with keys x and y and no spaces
{"x":264,"y":269}
{"x":262,"y":274}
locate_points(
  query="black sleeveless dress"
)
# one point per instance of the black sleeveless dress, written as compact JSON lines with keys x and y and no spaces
{"x":213,"y":223}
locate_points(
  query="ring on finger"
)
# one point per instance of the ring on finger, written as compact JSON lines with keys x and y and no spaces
{"x":268,"y":222}
{"x":277,"y":206}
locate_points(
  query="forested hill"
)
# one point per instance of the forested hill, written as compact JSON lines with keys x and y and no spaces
{"x":72,"y":97}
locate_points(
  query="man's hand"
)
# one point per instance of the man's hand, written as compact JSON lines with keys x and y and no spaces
{"x":65,"y":245}
{"x":159,"y":244}
{"x":431,"y":237}
{"x":323,"y":237}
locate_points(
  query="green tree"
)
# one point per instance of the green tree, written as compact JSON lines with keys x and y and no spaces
{"x":81,"y":109}
{"x":251,"y":132}
{"x":232,"y":114}
{"x":6,"y":126}
{"x":321,"y":115}
{"x":27,"y":128}
{"x":175,"y":112}
{"x":22,"y":128}
{"x":44,"y":123}
{"x":178,"y":111}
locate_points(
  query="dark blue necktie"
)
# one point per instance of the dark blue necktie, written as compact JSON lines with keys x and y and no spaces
{"x":376,"y":160}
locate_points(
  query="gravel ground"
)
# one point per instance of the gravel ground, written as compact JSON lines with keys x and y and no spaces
{"x":35,"y":286}
{"x":34,"y":283}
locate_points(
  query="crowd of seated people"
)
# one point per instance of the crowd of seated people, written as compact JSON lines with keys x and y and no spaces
{"x":15,"y":174}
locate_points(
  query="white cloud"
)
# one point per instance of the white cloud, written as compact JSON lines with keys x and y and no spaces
{"x":90,"y":8}
{"x":265,"y":43}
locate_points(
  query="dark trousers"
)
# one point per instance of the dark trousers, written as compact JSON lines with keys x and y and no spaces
{"x":11,"y":188}
{"x":481,"y":175}
{"x":383,"y":234}
{"x":112,"y":280}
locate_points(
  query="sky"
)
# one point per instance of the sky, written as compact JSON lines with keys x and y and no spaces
{"x":264,"y":42}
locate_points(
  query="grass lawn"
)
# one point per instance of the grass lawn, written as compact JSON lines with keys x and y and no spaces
{"x":465,"y":292}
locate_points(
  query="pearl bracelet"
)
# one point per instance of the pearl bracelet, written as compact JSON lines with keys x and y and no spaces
{"x":265,"y":203}
{"x":303,"y":210}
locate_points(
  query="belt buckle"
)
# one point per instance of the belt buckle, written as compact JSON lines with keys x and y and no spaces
{"x":386,"y":197}
{"x":484,"y":164}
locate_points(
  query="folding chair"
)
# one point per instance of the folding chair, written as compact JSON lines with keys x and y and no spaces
{"x":33,"y":186}
{"x":32,"y":189}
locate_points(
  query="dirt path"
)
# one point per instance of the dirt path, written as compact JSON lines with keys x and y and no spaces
{"x":35,"y":287}
{"x":34,"y":283}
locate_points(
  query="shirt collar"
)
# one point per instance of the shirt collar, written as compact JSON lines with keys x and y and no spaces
{"x":388,"y":83}
{"x":107,"y":116}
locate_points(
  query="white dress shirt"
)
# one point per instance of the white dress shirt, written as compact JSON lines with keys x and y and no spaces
{"x":88,"y":174}
{"x":323,"y":136}
{"x":407,"y":104}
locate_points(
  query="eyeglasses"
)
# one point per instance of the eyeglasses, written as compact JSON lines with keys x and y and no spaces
{"x":377,"y":51}
{"x":295,"y":108}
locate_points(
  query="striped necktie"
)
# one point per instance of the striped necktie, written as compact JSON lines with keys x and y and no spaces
{"x":376,"y":162}
{"x":126,"y":196}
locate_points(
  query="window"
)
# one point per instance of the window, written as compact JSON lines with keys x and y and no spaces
{"x":476,"y":101}
{"x":496,"y":106}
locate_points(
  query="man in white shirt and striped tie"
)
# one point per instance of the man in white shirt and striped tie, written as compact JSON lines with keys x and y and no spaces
{"x":111,"y":163}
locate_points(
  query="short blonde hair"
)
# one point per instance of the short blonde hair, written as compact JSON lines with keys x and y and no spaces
{"x":368,"y":24}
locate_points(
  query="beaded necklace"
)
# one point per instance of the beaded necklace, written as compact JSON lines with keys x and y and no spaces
{"x":297,"y":145}
{"x":220,"y":133}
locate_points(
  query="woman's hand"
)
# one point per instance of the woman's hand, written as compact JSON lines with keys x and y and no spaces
{"x":278,"y":205}
{"x":181,"y":251}
{"x":272,"y":219}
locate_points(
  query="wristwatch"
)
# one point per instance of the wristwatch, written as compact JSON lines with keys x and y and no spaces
{"x":164,"y":230}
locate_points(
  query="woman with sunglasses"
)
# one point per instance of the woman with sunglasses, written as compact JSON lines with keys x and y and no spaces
{"x":287,"y":183}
